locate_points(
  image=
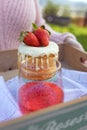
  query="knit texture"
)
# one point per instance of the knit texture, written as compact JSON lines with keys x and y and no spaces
{"x":15,"y":16}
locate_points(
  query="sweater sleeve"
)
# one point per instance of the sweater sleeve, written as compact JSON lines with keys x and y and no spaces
{"x":55,"y":36}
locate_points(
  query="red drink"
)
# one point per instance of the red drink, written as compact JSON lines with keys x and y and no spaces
{"x":37,"y":95}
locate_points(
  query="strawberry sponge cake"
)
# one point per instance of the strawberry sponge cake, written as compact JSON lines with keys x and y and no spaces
{"x":37,"y":56}
{"x":37,"y":63}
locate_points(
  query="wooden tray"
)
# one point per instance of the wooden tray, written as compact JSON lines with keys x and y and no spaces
{"x":66,"y":116}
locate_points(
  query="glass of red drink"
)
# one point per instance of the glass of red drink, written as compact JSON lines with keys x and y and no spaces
{"x":34,"y":95}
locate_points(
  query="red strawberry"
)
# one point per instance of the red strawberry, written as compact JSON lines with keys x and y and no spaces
{"x":35,"y":95}
{"x":43,"y":35}
{"x":29,"y":39}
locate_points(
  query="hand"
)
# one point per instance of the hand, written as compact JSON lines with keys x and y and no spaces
{"x":74,"y":43}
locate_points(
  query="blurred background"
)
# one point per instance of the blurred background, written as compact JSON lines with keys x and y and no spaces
{"x":67,"y":16}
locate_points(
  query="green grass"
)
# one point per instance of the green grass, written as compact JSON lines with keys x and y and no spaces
{"x":79,"y":32}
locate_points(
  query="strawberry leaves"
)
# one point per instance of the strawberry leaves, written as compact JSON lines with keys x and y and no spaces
{"x":22,"y":35}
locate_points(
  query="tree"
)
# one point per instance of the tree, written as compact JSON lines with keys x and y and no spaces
{"x":66,"y":11}
{"x":50,"y":9}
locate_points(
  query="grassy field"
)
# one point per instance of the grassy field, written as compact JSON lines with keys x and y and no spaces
{"x":79,"y":32}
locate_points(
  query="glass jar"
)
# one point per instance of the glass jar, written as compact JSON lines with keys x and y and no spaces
{"x":39,"y":88}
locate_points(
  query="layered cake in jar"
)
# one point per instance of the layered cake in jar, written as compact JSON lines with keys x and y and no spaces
{"x":39,"y":69}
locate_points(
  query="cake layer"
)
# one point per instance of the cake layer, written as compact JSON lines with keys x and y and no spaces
{"x":42,"y":74}
{"x":37,"y":63}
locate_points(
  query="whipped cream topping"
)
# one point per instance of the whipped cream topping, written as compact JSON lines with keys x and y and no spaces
{"x":52,"y":48}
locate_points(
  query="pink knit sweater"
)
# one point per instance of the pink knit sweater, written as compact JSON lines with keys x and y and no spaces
{"x":17,"y":16}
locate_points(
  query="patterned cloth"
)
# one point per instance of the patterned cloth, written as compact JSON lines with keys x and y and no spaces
{"x":9,"y":108}
{"x":74,"y":86}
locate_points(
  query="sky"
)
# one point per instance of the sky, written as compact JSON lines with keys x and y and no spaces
{"x":79,"y":0}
